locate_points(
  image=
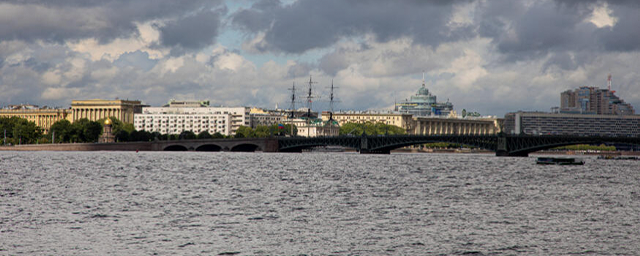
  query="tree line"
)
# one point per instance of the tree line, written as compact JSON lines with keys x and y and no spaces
{"x":21,"y":131}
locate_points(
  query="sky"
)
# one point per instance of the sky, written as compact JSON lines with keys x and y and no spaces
{"x":488,"y":56}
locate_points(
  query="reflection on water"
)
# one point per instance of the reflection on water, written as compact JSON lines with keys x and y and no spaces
{"x":168,"y":203}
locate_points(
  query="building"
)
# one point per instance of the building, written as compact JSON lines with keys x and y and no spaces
{"x":195,"y":116}
{"x":595,"y":101}
{"x":539,"y":123}
{"x":107,"y":133}
{"x":262,"y":117}
{"x":315,"y":127}
{"x":97,"y":109}
{"x":424,"y":104}
{"x":422,"y":125}
{"x":456,"y":126}
{"x":43,"y":117}
{"x":402,"y":120}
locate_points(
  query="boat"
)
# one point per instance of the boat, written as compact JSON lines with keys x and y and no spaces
{"x":559,"y":161}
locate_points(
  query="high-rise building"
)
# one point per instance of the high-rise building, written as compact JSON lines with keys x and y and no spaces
{"x":593,"y":100}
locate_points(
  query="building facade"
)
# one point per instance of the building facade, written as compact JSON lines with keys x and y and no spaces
{"x":538,"y":123}
{"x":595,"y":101}
{"x":42,"y":117}
{"x":179,"y":116}
{"x":315,"y":127}
{"x":97,"y":109}
{"x":424,"y":103}
{"x":262,"y":117}
{"x":422,"y":125}
{"x":402,"y":120}
{"x":456,"y":126}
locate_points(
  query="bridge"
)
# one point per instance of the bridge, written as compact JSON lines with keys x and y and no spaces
{"x":503,"y":145}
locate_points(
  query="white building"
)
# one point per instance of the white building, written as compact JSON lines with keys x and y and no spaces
{"x":315,"y":127}
{"x":177,"y":117}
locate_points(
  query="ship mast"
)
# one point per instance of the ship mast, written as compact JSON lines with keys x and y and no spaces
{"x":331,"y":101}
{"x":292,"y":106}
{"x":309,"y":105}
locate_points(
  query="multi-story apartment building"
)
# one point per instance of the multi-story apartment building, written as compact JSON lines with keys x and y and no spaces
{"x":539,"y":123}
{"x":593,"y":100}
{"x":179,"y":116}
{"x":262,"y":117}
{"x":43,"y":117}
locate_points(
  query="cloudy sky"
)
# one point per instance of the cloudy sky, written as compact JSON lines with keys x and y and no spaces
{"x":490,"y":56}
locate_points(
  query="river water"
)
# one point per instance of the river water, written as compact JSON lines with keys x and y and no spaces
{"x":224,"y":203}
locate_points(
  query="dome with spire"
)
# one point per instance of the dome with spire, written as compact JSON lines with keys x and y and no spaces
{"x":423,"y":91}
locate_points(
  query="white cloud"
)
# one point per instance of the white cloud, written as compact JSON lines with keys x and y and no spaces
{"x":143,"y":40}
{"x":601,"y":16}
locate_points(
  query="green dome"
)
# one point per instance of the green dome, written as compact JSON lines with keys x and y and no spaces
{"x":423,"y":91}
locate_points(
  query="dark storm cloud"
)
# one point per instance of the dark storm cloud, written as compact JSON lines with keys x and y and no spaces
{"x":192,"y":32}
{"x":59,"y":21}
{"x":308,"y":24}
{"x":625,"y":35}
{"x":522,"y":31}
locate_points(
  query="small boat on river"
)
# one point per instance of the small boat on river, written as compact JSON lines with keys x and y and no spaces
{"x":559,"y":161}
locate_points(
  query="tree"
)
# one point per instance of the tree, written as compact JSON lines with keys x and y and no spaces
{"x":217,"y":135}
{"x":20,"y":130}
{"x":62,"y":130}
{"x":262,"y":131}
{"x":245,"y":132}
{"x":187,"y":135}
{"x":204,"y":135}
{"x":370,"y":128}
{"x":86,"y":130}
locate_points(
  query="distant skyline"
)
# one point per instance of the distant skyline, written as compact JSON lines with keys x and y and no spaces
{"x":488,"y":56}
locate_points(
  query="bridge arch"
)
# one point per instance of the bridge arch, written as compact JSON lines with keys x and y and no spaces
{"x":209,"y":148}
{"x":175,"y":148}
{"x":246,"y":147}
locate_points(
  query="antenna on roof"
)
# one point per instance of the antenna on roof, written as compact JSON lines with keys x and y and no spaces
{"x":609,"y":81}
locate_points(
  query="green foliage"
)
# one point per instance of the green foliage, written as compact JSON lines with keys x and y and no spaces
{"x":62,"y":131}
{"x":86,"y":131}
{"x":187,"y":135}
{"x":245,"y":132}
{"x":371,"y":129}
{"x":217,"y":135}
{"x":586,"y":147}
{"x":204,"y":135}
{"x":443,"y":145}
{"x":19,"y":130}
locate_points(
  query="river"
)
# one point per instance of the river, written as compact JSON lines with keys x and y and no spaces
{"x":224,"y":203}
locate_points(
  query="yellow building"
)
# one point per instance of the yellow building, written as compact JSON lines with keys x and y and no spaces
{"x":42,"y":117}
{"x":421,"y":125}
{"x":455,"y":126}
{"x":97,"y":109}
{"x":391,"y":118}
